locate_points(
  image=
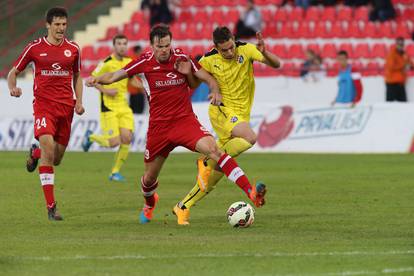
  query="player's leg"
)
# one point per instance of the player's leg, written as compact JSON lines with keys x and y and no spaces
{"x":46,"y":173}
{"x":231,"y":169}
{"x":126,"y":126}
{"x":110,"y":136}
{"x":149,"y":184}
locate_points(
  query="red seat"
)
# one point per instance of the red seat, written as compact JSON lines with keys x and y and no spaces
{"x":362,"y":51}
{"x":344,"y":14}
{"x":280,"y":50}
{"x":88,"y":52}
{"x":303,"y":30}
{"x":281,"y":15}
{"x":201,"y":15}
{"x":354,"y":30}
{"x":103,"y":52}
{"x":402,"y":30}
{"x":138,"y":17}
{"x":296,"y":51}
{"x":111,"y":32}
{"x":337,"y":30}
{"x":378,"y":50}
{"x":410,"y":50}
{"x":314,"y":47}
{"x":270,"y":31}
{"x":370,"y":30}
{"x":267,"y":15}
{"x":329,"y":14}
{"x":313,"y":14}
{"x":197,"y":50}
{"x":371,"y":69}
{"x":217,"y":16}
{"x":233,"y":15}
{"x":321,"y":30}
{"x":286,"y":31}
{"x":296,"y":14}
{"x":332,"y":69}
{"x":329,"y":50}
{"x":185,"y":16}
{"x":361,"y":14}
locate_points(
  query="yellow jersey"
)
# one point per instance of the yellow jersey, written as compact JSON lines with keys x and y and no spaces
{"x":235,"y":76}
{"x":111,"y":64}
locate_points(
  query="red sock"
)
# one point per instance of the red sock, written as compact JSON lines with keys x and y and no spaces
{"x":36,"y":153}
{"x":148,"y":191}
{"x":47,"y":178}
{"x":231,"y":169}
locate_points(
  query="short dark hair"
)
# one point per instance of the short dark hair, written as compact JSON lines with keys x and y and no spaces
{"x":221,"y":35}
{"x":399,"y":39}
{"x":55,"y":12}
{"x":118,"y":36}
{"x":342,"y":53}
{"x":160,"y":31}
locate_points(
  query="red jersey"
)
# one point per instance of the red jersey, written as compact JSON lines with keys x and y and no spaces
{"x":167,"y":89}
{"x":54,"y":66}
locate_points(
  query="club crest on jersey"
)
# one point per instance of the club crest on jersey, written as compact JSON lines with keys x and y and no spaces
{"x":234,"y":119}
{"x":67,"y":53}
{"x":240,"y":59}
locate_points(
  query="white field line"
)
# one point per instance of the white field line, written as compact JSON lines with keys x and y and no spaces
{"x":362,"y":272}
{"x":217,"y":255}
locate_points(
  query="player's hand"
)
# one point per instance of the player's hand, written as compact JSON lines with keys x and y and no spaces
{"x":79,"y":108}
{"x":260,"y":45}
{"x":91,"y":82}
{"x":16,"y":92}
{"x":183,"y":66}
{"x":215,"y":98}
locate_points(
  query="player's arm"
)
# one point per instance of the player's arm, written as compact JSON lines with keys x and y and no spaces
{"x":12,"y":83}
{"x":78,"y":84}
{"x":107,"y":78}
{"x":268,"y":58}
{"x":215,"y":95}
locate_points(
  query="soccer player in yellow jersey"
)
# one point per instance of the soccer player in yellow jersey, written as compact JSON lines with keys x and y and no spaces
{"x":231,"y":63}
{"x":117,"y":121}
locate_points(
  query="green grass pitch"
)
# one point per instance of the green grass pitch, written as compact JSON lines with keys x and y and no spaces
{"x":325,"y":215}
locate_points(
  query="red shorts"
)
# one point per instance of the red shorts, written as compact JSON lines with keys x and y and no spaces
{"x":54,"y":119}
{"x":163,"y":137}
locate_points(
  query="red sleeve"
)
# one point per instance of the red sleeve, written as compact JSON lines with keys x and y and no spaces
{"x":356,"y":78}
{"x":77,"y":65}
{"x":135,"y":67}
{"x":195,"y":65}
{"x":25,"y":57}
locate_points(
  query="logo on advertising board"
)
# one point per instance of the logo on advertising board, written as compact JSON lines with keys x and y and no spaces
{"x":283,"y":123}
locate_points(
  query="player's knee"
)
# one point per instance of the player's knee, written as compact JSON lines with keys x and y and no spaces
{"x":114,"y":142}
{"x":56,"y":162}
{"x":251,"y":138}
{"x":214,"y":152}
{"x":149,"y":178}
{"x":126,"y":139}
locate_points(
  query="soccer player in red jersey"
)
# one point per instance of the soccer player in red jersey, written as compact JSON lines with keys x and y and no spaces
{"x":56,"y":65}
{"x":172,"y":121}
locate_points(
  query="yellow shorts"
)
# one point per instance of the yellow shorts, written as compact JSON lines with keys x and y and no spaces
{"x":112,"y":121}
{"x":224,"y":119}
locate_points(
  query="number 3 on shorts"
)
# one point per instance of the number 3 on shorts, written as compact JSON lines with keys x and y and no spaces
{"x":40,"y":122}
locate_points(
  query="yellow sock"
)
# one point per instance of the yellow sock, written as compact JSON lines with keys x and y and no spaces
{"x":233,"y":148}
{"x":100,"y":139}
{"x":120,"y":157}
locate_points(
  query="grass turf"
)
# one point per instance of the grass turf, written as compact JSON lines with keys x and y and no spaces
{"x":325,"y":215}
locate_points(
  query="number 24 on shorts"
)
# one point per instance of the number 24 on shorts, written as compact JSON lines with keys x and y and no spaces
{"x":40,"y":122}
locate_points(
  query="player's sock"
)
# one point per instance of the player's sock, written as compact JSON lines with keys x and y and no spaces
{"x":47,"y":179}
{"x":148,"y":190}
{"x":100,"y":139}
{"x":236,"y":146}
{"x":234,"y":173}
{"x":36,"y":153}
{"x":120,"y":157}
{"x":192,"y":197}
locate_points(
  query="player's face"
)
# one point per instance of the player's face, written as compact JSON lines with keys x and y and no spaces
{"x":162,"y":48}
{"x":227,"y":49}
{"x":121,"y":47}
{"x":342,"y":60}
{"x":57,"y":28}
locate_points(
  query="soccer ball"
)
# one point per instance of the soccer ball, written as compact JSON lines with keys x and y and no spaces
{"x":240,"y":214}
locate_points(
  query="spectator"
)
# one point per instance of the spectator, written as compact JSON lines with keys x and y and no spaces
{"x":159,"y":11}
{"x":302,"y":3}
{"x":135,"y":88}
{"x":250,"y":23}
{"x":396,"y":65}
{"x":349,"y":82}
{"x":382,"y":10}
{"x":356,"y":3}
{"x":312,"y":67}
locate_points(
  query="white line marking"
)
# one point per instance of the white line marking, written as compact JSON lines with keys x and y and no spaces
{"x":215,"y":255}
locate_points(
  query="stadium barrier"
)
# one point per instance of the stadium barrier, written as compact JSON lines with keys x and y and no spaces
{"x":301,"y":127}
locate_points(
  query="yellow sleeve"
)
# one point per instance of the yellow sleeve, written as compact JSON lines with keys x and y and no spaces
{"x":253,"y":53}
{"x":205,"y":63}
{"x":100,"y":69}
